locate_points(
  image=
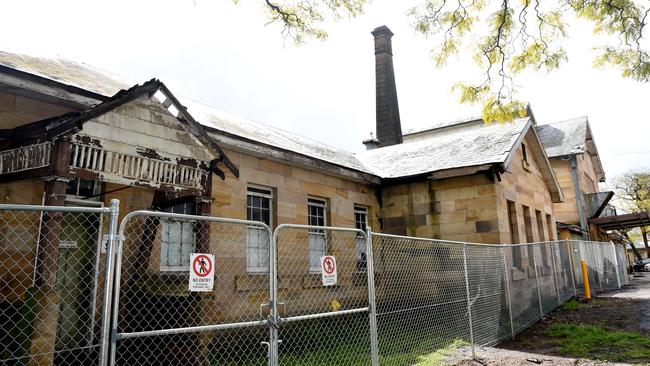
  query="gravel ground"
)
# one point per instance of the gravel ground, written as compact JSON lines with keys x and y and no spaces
{"x":491,"y":356}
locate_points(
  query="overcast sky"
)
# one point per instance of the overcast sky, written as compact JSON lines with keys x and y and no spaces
{"x":223,"y":55}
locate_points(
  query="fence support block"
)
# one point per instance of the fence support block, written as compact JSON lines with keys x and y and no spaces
{"x":469,"y":303}
{"x":372,"y":301}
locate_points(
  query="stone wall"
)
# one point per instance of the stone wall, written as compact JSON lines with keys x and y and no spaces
{"x":459,"y":209}
{"x":16,"y":110}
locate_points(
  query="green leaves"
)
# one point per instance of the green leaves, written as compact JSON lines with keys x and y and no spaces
{"x":301,"y":19}
{"x":506,"y":38}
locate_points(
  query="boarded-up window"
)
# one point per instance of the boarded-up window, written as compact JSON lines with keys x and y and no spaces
{"x":528,"y":225}
{"x":178,"y":239}
{"x":316,"y":216}
{"x":361,"y":223}
{"x":549,"y":227}
{"x":259,"y":206}
{"x":542,"y":236}
{"x":524,"y":155}
{"x":514,"y":234}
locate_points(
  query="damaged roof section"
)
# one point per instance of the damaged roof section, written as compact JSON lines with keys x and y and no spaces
{"x":70,"y":123}
{"x":220,"y":123}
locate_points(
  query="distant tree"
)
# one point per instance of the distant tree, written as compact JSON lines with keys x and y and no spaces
{"x":633,"y":192}
{"x":505,"y":38}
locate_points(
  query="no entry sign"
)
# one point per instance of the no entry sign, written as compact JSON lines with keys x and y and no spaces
{"x":328,"y":270}
{"x":201,"y":272}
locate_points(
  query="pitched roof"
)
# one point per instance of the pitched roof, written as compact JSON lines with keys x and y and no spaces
{"x":104,"y":83}
{"x":571,"y":137}
{"x":67,"y":72}
{"x":565,"y":137}
{"x":448,"y":147}
{"x":463,"y":143}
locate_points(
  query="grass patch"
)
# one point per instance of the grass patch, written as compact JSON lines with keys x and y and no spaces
{"x":574,"y":305}
{"x":440,"y":356}
{"x":596,"y":342}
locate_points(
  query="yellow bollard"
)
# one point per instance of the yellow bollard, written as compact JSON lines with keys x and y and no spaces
{"x":585,"y":279}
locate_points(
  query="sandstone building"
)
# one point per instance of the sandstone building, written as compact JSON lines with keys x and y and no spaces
{"x":74,"y":135}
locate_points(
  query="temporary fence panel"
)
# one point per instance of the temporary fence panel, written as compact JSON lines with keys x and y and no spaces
{"x":621,"y":260}
{"x":159,"y":321}
{"x":79,"y":291}
{"x":421,"y":296}
{"x":52,"y":265}
{"x":322,"y":296}
{"x":488,"y":293}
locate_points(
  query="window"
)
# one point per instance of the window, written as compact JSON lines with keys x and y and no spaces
{"x":512,"y":221}
{"x":540,"y":226}
{"x":542,"y":234}
{"x":514,"y":234}
{"x":524,"y":155}
{"x":528,"y":225}
{"x":84,"y":188}
{"x":177,"y":239}
{"x":549,"y":227}
{"x":316,"y":209}
{"x":259,"y":203}
{"x":361,"y":223}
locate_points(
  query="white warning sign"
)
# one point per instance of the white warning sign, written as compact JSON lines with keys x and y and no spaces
{"x":201,"y":272}
{"x":328,"y":270}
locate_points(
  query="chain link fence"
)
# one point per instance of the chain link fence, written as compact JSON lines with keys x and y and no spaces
{"x":77,"y":291}
{"x":158,"y":321}
{"x":316,"y":318}
{"x":52,"y":263}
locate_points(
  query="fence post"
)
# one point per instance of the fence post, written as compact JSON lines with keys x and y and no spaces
{"x":372,"y":300}
{"x":505,"y":272}
{"x":469,"y":303}
{"x":557,"y":290}
{"x":117,"y":280}
{"x":273,"y":299}
{"x":108,"y":282}
{"x":573,"y":273}
{"x":539,"y":295}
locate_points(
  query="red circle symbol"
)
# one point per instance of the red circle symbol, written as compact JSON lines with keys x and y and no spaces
{"x":202,"y":265}
{"x":328,"y":265}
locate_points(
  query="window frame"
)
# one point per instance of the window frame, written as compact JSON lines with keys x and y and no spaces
{"x":513,"y":223}
{"x":360,"y":242}
{"x":186,"y":226}
{"x":524,"y":155}
{"x":253,"y":190}
{"x":322,"y":204}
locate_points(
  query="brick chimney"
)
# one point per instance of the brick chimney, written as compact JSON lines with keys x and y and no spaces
{"x":389,"y":129}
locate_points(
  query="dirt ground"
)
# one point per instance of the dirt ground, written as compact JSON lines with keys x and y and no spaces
{"x":627,"y":310}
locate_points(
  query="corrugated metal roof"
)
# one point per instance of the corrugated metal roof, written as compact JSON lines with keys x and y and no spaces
{"x":565,"y":137}
{"x":470,"y":145}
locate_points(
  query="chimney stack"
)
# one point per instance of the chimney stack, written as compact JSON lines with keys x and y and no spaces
{"x":389,"y":128}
